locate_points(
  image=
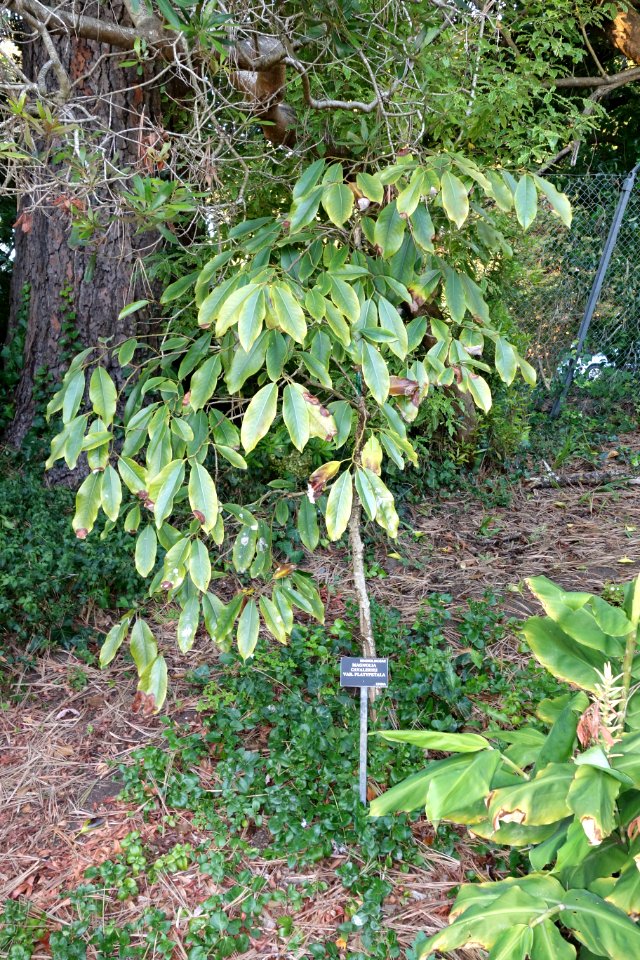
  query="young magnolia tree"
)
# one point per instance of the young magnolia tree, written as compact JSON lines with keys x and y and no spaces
{"x":317,"y":319}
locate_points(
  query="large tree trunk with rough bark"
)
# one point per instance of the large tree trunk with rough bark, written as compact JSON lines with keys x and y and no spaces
{"x":76,"y":291}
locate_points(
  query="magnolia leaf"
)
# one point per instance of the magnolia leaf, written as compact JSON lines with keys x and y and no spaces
{"x":337,"y":200}
{"x":308,"y":524}
{"x":455,"y":199}
{"x":339,"y":505}
{"x":153,"y":681}
{"x":248,"y":630}
{"x":526,"y":201}
{"x":480,"y":391}
{"x":375,"y":372}
{"x":163,"y":489}
{"x":272,"y":619}
{"x":203,"y":498}
{"x":559,"y":202}
{"x":250,"y":316}
{"x":295,"y":414}
{"x":188,"y":624}
{"x":506,"y":360}
{"x":289,"y":313}
{"x":113,"y":641}
{"x":111,"y":493}
{"x":146,"y":549}
{"x":88,"y":502}
{"x":259,"y":416}
{"x":389,"y":230}
{"x":103,"y":395}
{"x":143,"y":646}
{"x":435,"y":740}
{"x":371,"y":455}
{"x":203,"y":382}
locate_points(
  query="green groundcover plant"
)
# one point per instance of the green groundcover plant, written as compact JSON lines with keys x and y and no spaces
{"x":567,"y":788}
{"x":314,"y":319}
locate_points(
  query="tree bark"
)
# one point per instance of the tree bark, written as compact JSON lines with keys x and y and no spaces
{"x":76,"y":292}
{"x":625,"y":32}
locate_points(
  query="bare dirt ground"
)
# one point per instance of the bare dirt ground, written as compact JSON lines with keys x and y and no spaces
{"x":59,"y":744}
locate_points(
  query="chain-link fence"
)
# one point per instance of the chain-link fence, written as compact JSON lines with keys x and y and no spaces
{"x":560,"y":267}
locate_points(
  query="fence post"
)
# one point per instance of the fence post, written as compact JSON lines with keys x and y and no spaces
{"x":598,"y":280}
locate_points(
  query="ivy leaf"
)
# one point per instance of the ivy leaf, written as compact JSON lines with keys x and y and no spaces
{"x":339,"y":506}
{"x":259,"y":416}
{"x":248,"y":629}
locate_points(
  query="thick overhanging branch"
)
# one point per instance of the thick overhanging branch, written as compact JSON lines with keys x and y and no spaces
{"x":612,"y":81}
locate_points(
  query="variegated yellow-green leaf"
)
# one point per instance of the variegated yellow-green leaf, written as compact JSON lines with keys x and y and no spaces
{"x":371,"y":455}
{"x":339,"y":506}
{"x":259,"y":416}
{"x":203,"y":498}
{"x":248,"y":629}
{"x":295,"y":414}
{"x":88,"y":500}
{"x":103,"y":395}
{"x":370,"y":186}
{"x":146,"y":549}
{"x":345,"y":299}
{"x":133,"y":475}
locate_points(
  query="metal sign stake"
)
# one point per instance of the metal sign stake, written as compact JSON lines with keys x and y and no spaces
{"x":364,"y":672}
{"x":364,"y":713}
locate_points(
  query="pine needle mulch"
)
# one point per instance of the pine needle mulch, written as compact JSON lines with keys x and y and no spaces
{"x":57,"y":772}
{"x":60,"y":743}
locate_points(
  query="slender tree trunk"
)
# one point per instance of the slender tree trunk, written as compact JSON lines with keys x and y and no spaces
{"x":76,"y":291}
{"x":359,"y":579}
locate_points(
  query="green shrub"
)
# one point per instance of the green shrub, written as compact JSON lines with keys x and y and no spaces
{"x":47,"y":577}
{"x":566,"y":788}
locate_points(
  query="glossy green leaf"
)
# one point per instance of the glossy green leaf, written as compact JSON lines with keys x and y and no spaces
{"x":103,"y":394}
{"x":113,"y":641}
{"x":389,"y":230}
{"x":375,"y":372}
{"x":272,"y":619}
{"x":250,"y":316}
{"x":248,"y":630}
{"x":153,"y":681}
{"x":188,"y":622}
{"x":455,"y":199}
{"x":203,"y":382}
{"x":308,"y":524}
{"x":143,"y":646}
{"x":203,"y":497}
{"x":296,"y":417}
{"x":559,"y":202}
{"x":111,"y":493}
{"x":435,"y":740}
{"x":146,"y":550}
{"x":526,"y":201}
{"x":288,"y":312}
{"x":339,"y":506}
{"x":200,"y":566}
{"x":259,"y":416}
{"x":337,"y":200}
{"x":88,"y":502}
